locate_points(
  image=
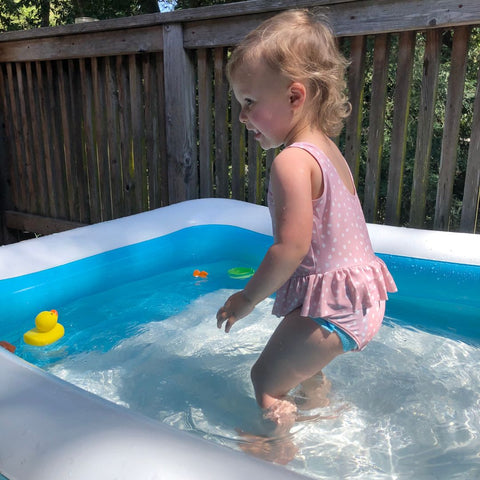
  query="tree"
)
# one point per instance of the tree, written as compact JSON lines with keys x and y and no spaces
{"x":18,"y":15}
{"x":24,"y":14}
{"x":112,"y":8}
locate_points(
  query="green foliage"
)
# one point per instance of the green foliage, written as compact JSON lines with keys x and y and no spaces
{"x":104,"y":9}
{"x":412,"y":125}
{"x":25,"y":14}
{"x":19,"y":14}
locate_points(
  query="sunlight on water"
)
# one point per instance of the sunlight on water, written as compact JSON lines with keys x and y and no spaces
{"x":408,"y":407}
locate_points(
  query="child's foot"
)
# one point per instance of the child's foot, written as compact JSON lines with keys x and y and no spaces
{"x":280,"y":450}
{"x":282,"y":413}
{"x":277,"y":445}
{"x":313,"y":392}
{"x":280,"y":417}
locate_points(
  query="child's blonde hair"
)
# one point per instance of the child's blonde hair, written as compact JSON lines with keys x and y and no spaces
{"x":301,"y":45}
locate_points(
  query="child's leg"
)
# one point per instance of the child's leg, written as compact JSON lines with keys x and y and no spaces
{"x":298,"y":349}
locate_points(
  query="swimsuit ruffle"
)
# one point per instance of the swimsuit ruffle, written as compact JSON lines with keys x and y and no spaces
{"x":343,"y":290}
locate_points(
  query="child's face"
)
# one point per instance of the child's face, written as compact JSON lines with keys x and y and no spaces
{"x":265,"y":98}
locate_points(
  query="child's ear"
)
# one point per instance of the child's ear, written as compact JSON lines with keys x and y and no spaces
{"x":298,"y":94}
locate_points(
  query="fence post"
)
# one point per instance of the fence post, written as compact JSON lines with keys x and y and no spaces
{"x":356,"y":83}
{"x":180,"y":116}
{"x":5,"y":237}
{"x":3,"y":183}
{"x":471,"y":194}
{"x":431,"y":66}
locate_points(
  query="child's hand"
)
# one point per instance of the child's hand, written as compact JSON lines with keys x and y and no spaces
{"x":235,"y":308}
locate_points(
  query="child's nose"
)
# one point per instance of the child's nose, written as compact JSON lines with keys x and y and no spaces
{"x":242,"y":117}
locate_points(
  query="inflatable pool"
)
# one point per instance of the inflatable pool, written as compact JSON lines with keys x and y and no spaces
{"x":53,"y":429}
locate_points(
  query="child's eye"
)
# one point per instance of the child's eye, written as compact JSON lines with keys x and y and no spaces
{"x":248,"y":102}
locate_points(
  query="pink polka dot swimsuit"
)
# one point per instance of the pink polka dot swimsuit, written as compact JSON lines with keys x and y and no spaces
{"x":340,"y":278}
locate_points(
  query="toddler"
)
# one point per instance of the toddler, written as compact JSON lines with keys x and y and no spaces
{"x":288,"y":76}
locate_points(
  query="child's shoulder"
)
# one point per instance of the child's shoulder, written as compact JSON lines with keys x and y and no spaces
{"x":297,"y":168}
{"x":292,"y":161}
{"x":298,"y":152}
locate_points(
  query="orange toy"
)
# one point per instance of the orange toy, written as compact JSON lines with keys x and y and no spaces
{"x":7,"y":346}
{"x":201,"y":274}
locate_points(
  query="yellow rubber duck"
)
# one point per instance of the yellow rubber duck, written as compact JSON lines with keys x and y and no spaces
{"x":47,"y":329}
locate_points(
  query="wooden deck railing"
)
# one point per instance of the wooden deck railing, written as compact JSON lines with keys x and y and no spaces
{"x":106,"y":119}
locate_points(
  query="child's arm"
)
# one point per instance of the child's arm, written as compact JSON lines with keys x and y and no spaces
{"x":291,"y":183}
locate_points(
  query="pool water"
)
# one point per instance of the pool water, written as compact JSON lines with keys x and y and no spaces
{"x":406,"y":407}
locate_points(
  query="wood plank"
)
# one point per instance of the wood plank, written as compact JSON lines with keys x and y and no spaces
{"x":93,"y":44}
{"x":246,"y":8}
{"x":254,"y":169}
{"x":372,"y":17}
{"x":89,"y":141}
{"x":270,"y":157}
{"x":221,"y":141}
{"x":80,"y":181}
{"x":398,"y":145}
{"x":54,"y":126}
{"x":18,"y":189}
{"x":142,"y":69}
{"x":149,"y":127}
{"x":180,"y":117}
{"x":45,"y":163}
{"x":126,"y":135}
{"x":25,"y":162}
{"x":356,"y":83}
{"x":376,"y":127}
{"x":6,"y":163}
{"x":160,"y":19}
{"x":26,"y":222}
{"x":123,"y":135}
{"x":222,"y":32}
{"x":453,"y":114}
{"x":237,"y":151}
{"x":5,"y":176}
{"x":112,"y":126}
{"x":205,"y":80}
{"x":65,"y":129}
{"x":162,"y":171}
{"x":37,"y":149}
{"x":347,"y":18}
{"x":43,"y":150}
{"x":101,"y":136}
{"x":140,"y":194}
{"x":471,"y":192}
{"x":431,"y":67}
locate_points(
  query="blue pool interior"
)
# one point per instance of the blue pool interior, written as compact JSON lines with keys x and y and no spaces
{"x":140,"y":331}
{"x":438,"y":297}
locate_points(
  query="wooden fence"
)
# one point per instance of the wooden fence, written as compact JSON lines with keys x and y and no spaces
{"x":112,"y":118}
